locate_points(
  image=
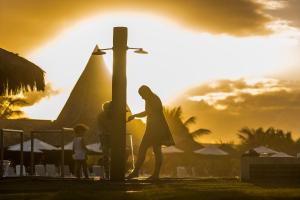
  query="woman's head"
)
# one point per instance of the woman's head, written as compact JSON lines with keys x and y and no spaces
{"x":80,"y":129}
{"x":145,"y":92}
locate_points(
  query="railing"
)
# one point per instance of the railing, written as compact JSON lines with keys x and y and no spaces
{"x":2,"y":131}
{"x":21,"y":132}
{"x":62,"y":144}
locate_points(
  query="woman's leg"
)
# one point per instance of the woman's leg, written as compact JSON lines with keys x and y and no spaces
{"x":140,"y":160}
{"x":158,"y":160}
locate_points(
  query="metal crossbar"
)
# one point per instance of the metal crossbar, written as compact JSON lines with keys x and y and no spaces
{"x":21,"y":132}
{"x":62,"y":144}
{"x":2,"y":131}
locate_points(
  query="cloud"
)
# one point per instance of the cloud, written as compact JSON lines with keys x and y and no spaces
{"x":289,"y":11}
{"x":26,"y":24}
{"x":226,"y":106}
{"x":34,"y":97}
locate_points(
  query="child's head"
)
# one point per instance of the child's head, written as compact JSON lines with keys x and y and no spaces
{"x":80,"y":129}
{"x":107,"y":106}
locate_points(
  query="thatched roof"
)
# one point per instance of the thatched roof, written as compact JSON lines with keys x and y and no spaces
{"x":18,"y":74}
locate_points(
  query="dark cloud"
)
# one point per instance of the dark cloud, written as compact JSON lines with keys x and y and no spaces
{"x":261,"y":104}
{"x":26,"y":24}
{"x":290,"y":12}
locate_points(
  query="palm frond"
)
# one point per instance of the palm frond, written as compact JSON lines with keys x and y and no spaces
{"x":200,"y":132}
{"x":191,"y":120}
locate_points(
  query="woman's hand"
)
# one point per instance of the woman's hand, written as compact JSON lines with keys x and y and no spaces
{"x":130,"y":118}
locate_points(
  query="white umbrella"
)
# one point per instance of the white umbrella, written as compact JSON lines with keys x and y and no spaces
{"x":264,"y":150}
{"x":171,"y":149}
{"x":211,"y":150}
{"x":38,"y":146}
{"x":281,"y":154}
{"x":69,"y":146}
{"x":95,"y":147}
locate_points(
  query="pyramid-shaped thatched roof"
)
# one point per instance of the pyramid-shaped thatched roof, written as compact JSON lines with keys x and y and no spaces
{"x":92,"y":89}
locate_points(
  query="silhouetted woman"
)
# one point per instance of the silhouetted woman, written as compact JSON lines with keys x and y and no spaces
{"x":157,"y":132}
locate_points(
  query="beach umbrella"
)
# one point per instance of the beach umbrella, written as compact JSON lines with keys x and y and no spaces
{"x":171,"y":150}
{"x":69,"y":146}
{"x":264,"y":150}
{"x":281,"y":155}
{"x":39,"y":146}
{"x":18,"y":74}
{"x":211,"y":150}
{"x":95,"y":147}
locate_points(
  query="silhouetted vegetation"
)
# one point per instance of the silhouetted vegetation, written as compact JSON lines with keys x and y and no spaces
{"x":9,"y":107}
{"x":184,"y":138}
{"x":276,"y":139}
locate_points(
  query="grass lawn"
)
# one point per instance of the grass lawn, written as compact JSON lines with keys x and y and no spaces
{"x":166,"y":189}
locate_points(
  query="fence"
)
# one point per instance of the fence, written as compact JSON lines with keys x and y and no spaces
{"x":21,"y":132}
{"x":270,"y":169}
{"x":2,"y":131}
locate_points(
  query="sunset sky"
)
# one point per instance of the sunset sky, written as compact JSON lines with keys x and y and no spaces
{"x":231,"y":63}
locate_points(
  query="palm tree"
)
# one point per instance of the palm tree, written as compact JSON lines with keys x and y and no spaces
{"x":184,"y":138}
{"x":277,"y":139}
{"x":9,"y":107}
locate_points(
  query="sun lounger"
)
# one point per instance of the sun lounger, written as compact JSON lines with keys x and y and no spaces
{"x":9,"y":172}
{"x":181,"y":172}
{"x":18,"y":170}
{"x":51,"y":170}
{"x":67,"y":171}
{"x":40,"y":170}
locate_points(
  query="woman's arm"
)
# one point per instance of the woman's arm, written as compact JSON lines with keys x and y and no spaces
{"x":141,"y":114}
{"x":138,"y":115}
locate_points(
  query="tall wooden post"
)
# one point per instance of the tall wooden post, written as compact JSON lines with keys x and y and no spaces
{"x":21,"y":153}
{"x":119,"y":85}
{"x":31,"y":153}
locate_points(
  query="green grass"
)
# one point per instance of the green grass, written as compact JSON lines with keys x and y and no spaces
{"x":171,"y":190}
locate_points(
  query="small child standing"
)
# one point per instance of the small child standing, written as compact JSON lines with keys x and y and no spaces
{"x":80,"y":150}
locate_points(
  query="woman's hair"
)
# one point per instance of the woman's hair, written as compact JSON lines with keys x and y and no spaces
{"x":144,"y":90}
{"x":79,"y":129}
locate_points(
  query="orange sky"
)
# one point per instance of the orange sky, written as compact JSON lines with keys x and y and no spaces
{"x":27,"y":24}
